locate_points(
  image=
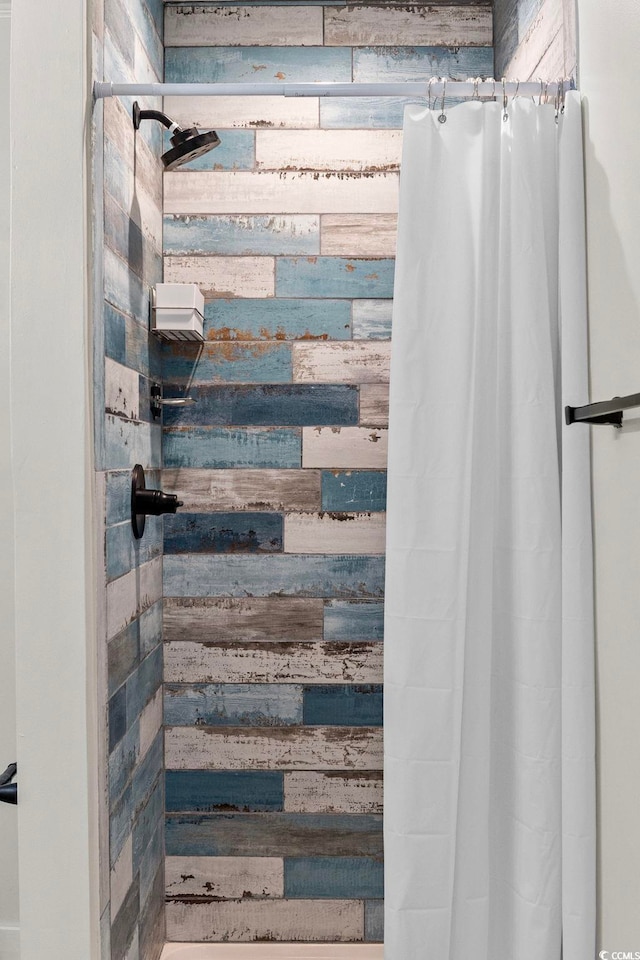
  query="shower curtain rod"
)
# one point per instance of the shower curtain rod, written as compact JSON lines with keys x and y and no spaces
{"x":433,"y":88}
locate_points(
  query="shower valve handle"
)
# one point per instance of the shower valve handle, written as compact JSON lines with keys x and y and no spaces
{"x":9,"y":790}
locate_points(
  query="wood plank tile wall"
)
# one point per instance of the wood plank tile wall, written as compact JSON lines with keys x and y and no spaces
{"x":273,"y":571}
{"x":535,"y":38}
{"x":127,"y":46}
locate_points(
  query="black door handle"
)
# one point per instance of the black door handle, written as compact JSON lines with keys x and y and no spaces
{"x":8,"y":790}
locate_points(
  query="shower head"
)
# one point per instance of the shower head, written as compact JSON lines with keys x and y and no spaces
{"x":185,"y":144}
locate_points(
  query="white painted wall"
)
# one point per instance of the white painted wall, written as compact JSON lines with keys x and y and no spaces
{"x":609,"y":52}
{"x":52,"y":481}
{"x":8,"y":815}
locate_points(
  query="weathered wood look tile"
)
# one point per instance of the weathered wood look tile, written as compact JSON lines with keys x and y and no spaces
{"x":334,"y":277}
{"x":221,"y":112}
{"x":353,"y":620}
{"x":278,"y":319}
{"x":223,"y":276}
{"x":127,"y":442}
{"x":239,"y":705}
{"x":333,"y":921}
{"x":231,"y":878}
{"x":253,"y":619}
{"x":236,"y":151}
{"x":121,"y":390}
{"x":242,"y":235}
{"x":327,"y":533}
{"x":356,"y":362}
{"x":534,"y":46}
{"x":372,"y":319}
{"x":292,"y":575}
{"x":374,"y":404}
{"x":232,"y":447}
{"x":276,"y":748}
{"x":224,"y":362}
{"x":344,"y":447}
{"x":437,"y":25}
{"x":224,"y":791}
{"x":353,"y":878}
{"x":354,"y":490}
{"x":255,"y":662}
{"x":129,"y":343}
{"x":413,"y":63}
{"x":208,"y":490}
{"x":264,"y":63}
{"x":242,"y":26}
{"x":129,"y":595}
{"x":123,"y":289}
{"x":292,"y":405}
{"x":346,"y":705}
{"x":367,"y":235}
{"x":284,"y":192}
{"x":376,"y":150}
{"x":223,"y":533}
{"x":333,"y":792}
{"x":374,"y":921}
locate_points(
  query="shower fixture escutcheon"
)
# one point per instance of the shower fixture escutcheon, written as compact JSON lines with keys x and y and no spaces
{"x":186,"y":144}
{"x":148,"y":503}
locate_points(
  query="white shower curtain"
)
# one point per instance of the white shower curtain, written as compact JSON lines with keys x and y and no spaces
{"x":489,"y":692}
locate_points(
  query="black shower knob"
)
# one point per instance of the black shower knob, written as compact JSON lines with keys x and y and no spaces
{"x":146,"y":503}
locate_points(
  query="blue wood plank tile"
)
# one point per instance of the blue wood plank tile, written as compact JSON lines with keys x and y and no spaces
{"x":124,"y":289}
{"x":117,"y":180}
{"x":125,"y":553}
{"x":123,"y":655}
{"x":223,"y":533}
{"x":334,"y":277}
{"x":352,"y":113}
{"x":147,"y":773}
{"x":125,"y":238}
{"x":220,"y":447}
{"x":391,"y":64}
{"x":143,"y":684}
{"x":227,"y":363}
{"x":206,"y":791}
{"x":227,"y":704}
{"x":241,"y":235}
{"x":117,"y":709}
{"x":374,"y":921}
{"x":118,"y":494}
{"x":277,"y":575}
{"x":274,"y":835}
{"x":121,"y":21}
{"x":122,"y":761}
{"x":257,"y":64}
{"x":155,"y":9}
{"x":119,"y":824}
{"x":120,"y":71}
{"x":347,"y":705}
{"x":151,"y":861}
{"x":150,"y":628}
{"x":333,"y":878}
{"x":147,"y":822}
{"x":353,"y":620}
{"x":354,"y":490}
{"x":130,"y":343}
{"x":274,"y":319}
{"x":236,"y":151}
{"x":270,"y":405}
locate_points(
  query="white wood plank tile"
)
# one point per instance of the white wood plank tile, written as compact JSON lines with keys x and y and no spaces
{"x":203,"y":26}
{"x":365,"y":235}
{"x":246,"y":920}
{"x":224,"y":277}
{"x":121,"y":390}
{"x":150,"y":722}
{"x":531,"y":49}
{"x":278,"y":619}
{"x":222,"y":113}
{"x":315,"y":662}
{"x":229,"y":877}
{"x":355,"y":533}
{"x":378,"y":150}
{"x":351,"y":447}
{"x":121,"y":877}
{"x":437,"y":25}
{"x":272,"y":748}
{"x":364,"y":361}
{"x":204,"y":491}
{"x":312,"y":792}
{"x":374,"y":404}
{"x":129,"y":595}
{"x":286,"y":192}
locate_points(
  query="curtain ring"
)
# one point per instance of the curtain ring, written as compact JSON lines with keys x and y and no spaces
{"x":443,"y":117}
{"x":540,"y":97}
{"x":431,"y":79}
{"x":505,"y":115}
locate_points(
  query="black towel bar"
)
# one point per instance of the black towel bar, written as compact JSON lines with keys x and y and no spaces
{"x":608,"y":411}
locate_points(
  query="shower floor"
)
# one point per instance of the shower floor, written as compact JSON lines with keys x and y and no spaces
{"x":273,"y":951}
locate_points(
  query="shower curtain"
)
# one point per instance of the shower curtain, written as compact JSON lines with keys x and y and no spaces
{"x":489,"y":678}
